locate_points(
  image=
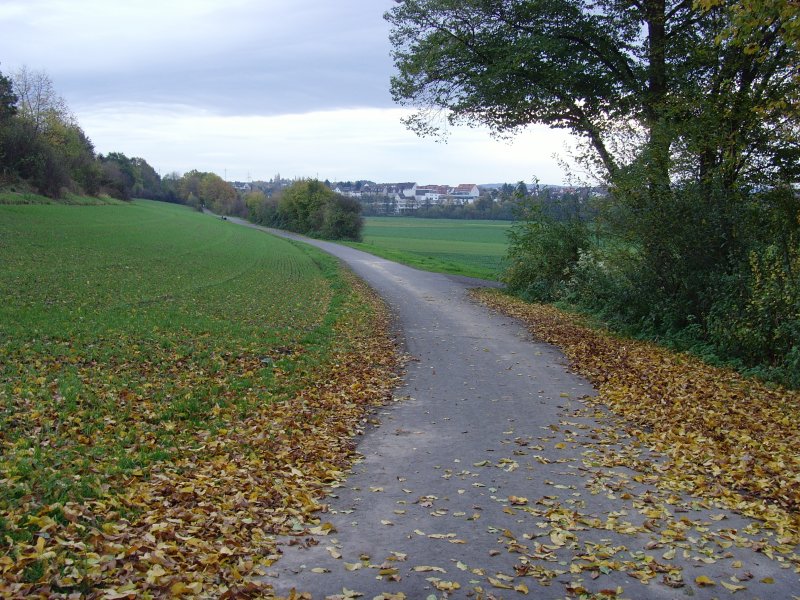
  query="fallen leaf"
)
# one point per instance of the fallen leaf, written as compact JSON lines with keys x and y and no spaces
{"x":499,"y":584}
{"x":703,"y":580}
{"x":732,"y":588}
{"x":426,"y":568}
{"x":445,"y":586}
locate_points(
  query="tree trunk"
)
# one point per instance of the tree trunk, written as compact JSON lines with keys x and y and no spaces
{"x":655,"y":104}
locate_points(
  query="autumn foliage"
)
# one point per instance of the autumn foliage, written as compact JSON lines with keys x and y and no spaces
{"x":725,"y":437}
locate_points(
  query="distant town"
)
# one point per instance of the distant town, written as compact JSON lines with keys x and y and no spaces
{"x":410,"y":197}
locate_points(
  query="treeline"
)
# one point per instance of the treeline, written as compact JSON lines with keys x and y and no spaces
{"x":505,"y":202}
{"x":42,"y":148}
{"x":485,"y":207}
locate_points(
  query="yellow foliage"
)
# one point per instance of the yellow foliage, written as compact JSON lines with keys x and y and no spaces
{"x":726,"y":437}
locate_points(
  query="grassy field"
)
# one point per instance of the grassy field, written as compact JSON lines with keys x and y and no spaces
{"x":130,"y":323}
{"x":137,"y":337}
{"x":472,"y":248}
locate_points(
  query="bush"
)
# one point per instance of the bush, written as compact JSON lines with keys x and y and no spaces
{"x":757,"y":318}
{"x":603,"y":280}
{"x":700,"y":270}
{"x":342,"y":219}
{"x":311,"y":208}
{"x":543,"y":252}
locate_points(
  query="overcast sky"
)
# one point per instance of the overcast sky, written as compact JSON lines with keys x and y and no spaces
{"x":251,"y":88}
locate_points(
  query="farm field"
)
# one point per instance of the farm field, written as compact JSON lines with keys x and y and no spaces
{"x":147,"y":351}
{"x":459,"y":247}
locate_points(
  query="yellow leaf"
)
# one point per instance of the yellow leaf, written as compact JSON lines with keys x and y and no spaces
{"x":426,"y":568}
{"x":558,"y":538}
{"x":155,"y":573}
{"x":446,"y":586}
{"x":732,"y":588}
{"x":178,"y":589}
{"x":702,"y":580}
{"x":323,"y":529}
{"x":521,"y":588}
{"x":499,"y":584}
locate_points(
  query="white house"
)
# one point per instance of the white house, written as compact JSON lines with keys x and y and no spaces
{"x":404,"y":194}
{"x":465,"y":193}
{"x":431,"y":194}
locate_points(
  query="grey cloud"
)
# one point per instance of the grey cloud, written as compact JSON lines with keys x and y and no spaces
{"x":254,"y":58}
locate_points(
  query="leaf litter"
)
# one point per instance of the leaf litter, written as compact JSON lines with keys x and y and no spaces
{"x":205,"y":523}
{"x":728,"y":440}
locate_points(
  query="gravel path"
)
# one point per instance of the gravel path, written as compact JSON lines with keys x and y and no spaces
{"x":485,"y":475}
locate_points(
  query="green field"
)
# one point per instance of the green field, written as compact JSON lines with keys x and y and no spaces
{"x":148,"y":314}
{"x":460,"y":247}
{"x":143,"y":338}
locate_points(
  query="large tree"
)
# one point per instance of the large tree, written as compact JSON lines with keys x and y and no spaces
{"x":309,"y":206}
{"x":630,"y":77}
{"x":39,"y":103}
{"x":688,"y":109}
{"x":220,"y":196}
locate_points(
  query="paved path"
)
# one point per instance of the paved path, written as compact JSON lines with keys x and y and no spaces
{"x":485,"y":473}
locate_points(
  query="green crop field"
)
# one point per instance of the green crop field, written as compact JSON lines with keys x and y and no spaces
{"x":125,"y":329}
{"x":139,"y":339}
{"x":473,"y":248}
{"x":121,"y":327}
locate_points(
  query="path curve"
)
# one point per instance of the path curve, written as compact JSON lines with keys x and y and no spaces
{"x":478,"y":477}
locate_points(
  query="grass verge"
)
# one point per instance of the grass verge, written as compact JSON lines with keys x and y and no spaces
{"x":7,"y":197}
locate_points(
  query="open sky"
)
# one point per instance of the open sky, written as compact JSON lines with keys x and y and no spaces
{"x":251,"y":88}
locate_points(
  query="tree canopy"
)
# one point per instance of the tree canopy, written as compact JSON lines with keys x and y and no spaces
{"x":8,"y":99}
{"x":641,"y":73}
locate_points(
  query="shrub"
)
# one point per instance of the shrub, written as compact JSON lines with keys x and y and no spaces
{"x":342,"y":219}
{"x":543,"y":253}
{"x":311,"y":208}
